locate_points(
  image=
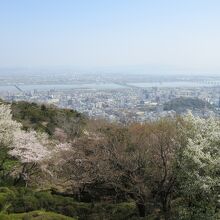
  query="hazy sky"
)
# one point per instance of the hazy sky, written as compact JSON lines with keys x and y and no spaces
{"x":184,"y":34}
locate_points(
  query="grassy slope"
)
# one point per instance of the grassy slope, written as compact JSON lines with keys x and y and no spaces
{"x":35,"y":215}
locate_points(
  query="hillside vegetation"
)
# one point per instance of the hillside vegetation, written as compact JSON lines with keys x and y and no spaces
{"x":182,"y":104}
{"x":57,"y":164}
{"x":47,"y":118}
{"x":35,"y":215}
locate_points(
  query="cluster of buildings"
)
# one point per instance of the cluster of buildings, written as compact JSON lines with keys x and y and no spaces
{"x":126,"y":104}
{"x":115,"y":97}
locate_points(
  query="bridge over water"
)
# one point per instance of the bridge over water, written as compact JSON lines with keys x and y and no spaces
{"x":127,"y":85}
{"x":18,"y":88}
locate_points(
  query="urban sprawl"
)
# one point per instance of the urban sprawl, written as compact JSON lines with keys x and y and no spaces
{"x":115,"y":99}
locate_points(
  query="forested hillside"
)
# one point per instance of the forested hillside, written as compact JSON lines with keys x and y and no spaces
{"x":49,"y":119}
{"x":58,"y":164}
{"x":183,"y":104}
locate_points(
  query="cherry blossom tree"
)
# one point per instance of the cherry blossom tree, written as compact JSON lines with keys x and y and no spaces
{"x":27,"y":149}
{"x":200,"y":166}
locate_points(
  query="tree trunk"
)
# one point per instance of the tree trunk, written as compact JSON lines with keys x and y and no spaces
{"x":166,"y":208}
{"x":167,"y":215}
{"x":141,"y":209}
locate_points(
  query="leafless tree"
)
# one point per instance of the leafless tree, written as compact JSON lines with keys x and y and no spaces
{"x":135,"y":162}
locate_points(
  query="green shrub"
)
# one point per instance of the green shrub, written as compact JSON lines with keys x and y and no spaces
{"x":36,"y":215}
{"x":120,"y":211}
{"x":6,"y":197}
{"x":24,"y":201}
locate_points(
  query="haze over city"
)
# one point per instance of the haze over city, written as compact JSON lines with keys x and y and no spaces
{"x":146,"y":36}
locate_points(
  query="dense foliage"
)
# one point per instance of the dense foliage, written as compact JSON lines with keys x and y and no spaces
{"x":61,"y":123}
{"x":168,"y":169}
